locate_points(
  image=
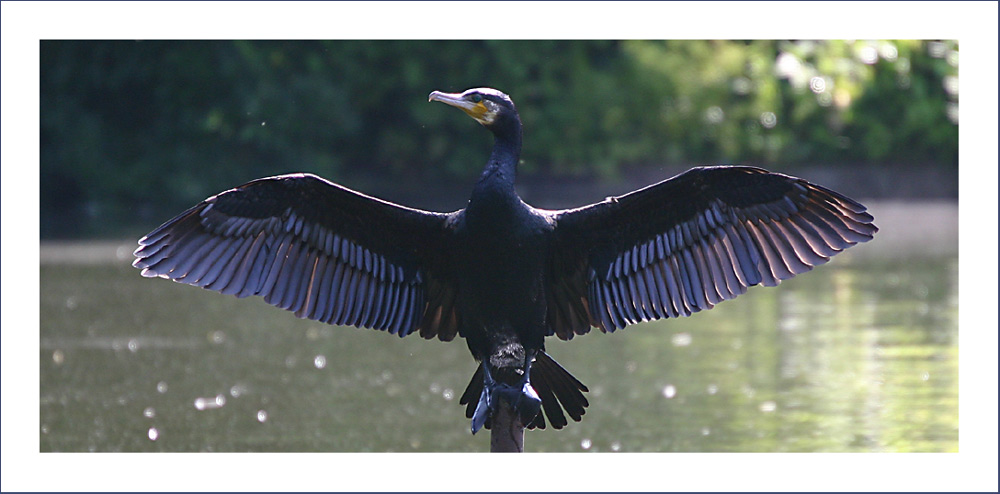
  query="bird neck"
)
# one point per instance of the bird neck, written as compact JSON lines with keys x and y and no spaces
{"x":501,"y":169}
{"x":494,"y":195}
{"x":494,"y":199}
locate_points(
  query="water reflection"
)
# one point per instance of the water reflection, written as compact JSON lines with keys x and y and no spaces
{"x":218,"y":401}
{"x":860,"y":355}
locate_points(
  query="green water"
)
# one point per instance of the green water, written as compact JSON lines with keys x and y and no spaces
{"x":858,"y":355}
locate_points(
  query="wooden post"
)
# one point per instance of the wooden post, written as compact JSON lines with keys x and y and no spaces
{"x":506,"y":431}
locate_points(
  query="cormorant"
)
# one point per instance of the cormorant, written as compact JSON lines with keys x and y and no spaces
{"x":500,"y":273}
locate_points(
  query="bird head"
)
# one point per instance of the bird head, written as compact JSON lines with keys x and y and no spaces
{"x":486,"y":105}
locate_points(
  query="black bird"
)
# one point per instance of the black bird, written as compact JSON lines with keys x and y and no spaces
{"x":500,"y":273}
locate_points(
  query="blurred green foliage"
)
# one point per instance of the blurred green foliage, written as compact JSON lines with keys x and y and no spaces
{"x":137,"y":131}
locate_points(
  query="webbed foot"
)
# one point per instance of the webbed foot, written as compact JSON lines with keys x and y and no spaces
{"x":523,"y":399}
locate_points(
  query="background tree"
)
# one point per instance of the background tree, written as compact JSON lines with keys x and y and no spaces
{"x":133,"y":132}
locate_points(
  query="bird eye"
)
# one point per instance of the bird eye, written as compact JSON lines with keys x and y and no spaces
{"x":476,"y":98}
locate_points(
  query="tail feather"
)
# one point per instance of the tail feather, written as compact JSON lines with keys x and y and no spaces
{"x":566,"y":388}
{"x":471,"y":395}
{"x":556,"y":387}
{"x":550,"y":403}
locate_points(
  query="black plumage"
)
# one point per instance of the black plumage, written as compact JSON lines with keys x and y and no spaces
{"x":500,"y":273}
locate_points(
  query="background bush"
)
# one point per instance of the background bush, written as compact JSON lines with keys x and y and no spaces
{"x":138,"y":131}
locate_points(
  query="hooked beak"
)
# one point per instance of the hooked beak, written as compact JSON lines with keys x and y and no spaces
{"x":453,"y":99}
{"x":477,"y":111}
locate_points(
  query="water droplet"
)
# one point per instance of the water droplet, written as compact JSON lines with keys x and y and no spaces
{"x":787,"y":65}
{"x":236,"y":391}
{"x":631,"y":366}
{"x":925,"y":376}
{"x":742,"y":85}
{"x":712,"y":389}
{"x":889,"y":52}
{"x":218,"y":401}
{"x":217,"y":337}
{"x":58,"y":357}
{"x":868,"y":55}
{"x":705,"y":431}
{"x":435,"y":388}
{"x":714,"y":115}
{"x":952,"y":111}
{"x":133,"y":345}
{"x":448,"y":394}
{"x":817,"y":84}
{"x":124,"y":252}
{"x":768,"y":120}
{"x":153,"y":434}
{"x":290,"y":361}
{"x":768,"y":406}
{"x":261,"y":416}
{"x":319,"y":361}
{"x":669,"y":391}
{"x":824,"y":99}
{"x":903,"y":81}
{"x":681,"y":339}
{"x":45,"y":429}
{"x":950,"y":84}
{"x":585,"y":443}
{"x":149,"y":412}
{"x":161,"y":387}
{"x":790,"y":323}
{"x":616,"y":446}
{"x":937,"y":49}
{"x":72,"y":303}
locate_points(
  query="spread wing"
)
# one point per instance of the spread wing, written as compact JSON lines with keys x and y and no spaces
{"x":690,"y":242}
{"x":318,"y":249}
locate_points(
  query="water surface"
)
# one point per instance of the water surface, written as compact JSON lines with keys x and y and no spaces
{"x":859,"y":355}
